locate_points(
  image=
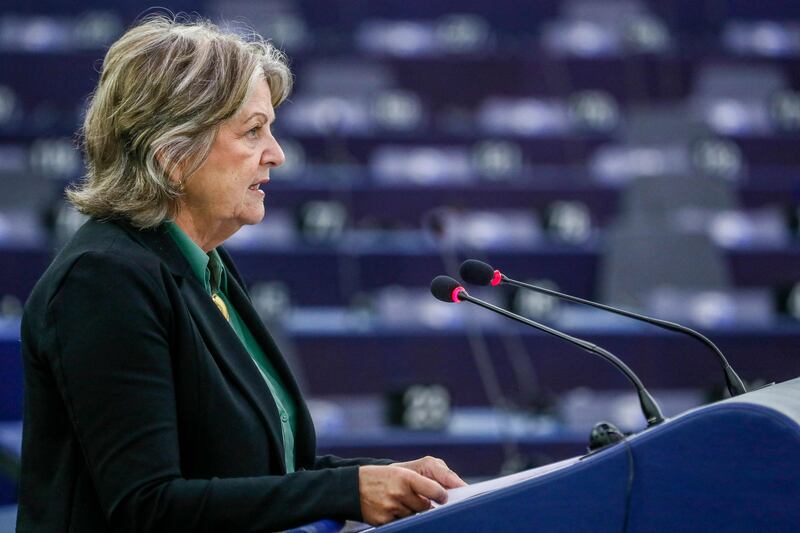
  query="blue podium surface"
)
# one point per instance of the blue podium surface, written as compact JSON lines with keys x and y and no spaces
{"x":732,"y":465}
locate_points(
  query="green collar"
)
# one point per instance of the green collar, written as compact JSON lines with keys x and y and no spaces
{"x":202,"y":264}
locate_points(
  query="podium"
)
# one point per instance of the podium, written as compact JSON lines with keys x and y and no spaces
{"x":730,"y":466}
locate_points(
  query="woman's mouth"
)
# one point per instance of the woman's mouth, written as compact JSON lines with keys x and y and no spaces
{"x":256,"y":186}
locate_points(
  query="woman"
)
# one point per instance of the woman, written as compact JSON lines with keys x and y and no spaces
{"x":154,"y":397}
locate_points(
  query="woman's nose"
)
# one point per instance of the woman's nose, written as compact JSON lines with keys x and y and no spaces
{"x":272,"y":154}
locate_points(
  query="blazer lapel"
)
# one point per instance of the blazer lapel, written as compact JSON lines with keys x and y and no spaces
{"x":305,"y":441}
{"x":231,"y":355}
{"x":224,"y":346}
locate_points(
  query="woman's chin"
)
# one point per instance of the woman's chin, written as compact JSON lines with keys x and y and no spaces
{"x":254,"y":215}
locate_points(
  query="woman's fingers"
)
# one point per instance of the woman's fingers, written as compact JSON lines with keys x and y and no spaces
{"x":436,"y":469}
{"x":389,"y":492}
{"x":428,"y":488}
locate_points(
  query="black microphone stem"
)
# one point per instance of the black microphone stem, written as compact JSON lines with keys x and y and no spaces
{"x":733,"y":381}
{"x":650,"y":408}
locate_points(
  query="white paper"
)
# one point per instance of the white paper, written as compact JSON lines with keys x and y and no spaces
{"x":470,"y":491}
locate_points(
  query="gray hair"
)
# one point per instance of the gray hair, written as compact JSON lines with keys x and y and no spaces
{"x":165,"y":87}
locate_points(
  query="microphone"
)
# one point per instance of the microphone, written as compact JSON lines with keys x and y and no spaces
{"x":448,"y":290}
{"x":479,"y":273}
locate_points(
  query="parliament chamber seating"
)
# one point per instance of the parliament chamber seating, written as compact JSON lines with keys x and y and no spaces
{"x":569,"y":143}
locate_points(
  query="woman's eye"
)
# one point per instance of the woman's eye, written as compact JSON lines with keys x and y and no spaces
{"x":253,"y":132}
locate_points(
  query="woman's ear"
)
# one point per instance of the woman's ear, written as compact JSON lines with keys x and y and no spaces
{"x":175,"y":173}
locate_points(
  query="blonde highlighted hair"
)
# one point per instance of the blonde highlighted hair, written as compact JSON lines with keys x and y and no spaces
{"x":165,"y":87}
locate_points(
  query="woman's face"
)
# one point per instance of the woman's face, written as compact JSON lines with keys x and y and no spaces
{"x":224,"y":193}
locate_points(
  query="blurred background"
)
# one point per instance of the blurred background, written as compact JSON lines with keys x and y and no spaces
{"x":640,"y":153}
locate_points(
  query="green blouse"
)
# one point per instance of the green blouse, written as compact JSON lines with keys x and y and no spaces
{"x":208,"y":268}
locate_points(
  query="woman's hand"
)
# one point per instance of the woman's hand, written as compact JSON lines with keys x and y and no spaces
{"x":435,"y":469}
{"x":391,"y":492}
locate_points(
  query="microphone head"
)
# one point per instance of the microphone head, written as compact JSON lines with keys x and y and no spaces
{"x":479,"y":273}
{"x":446,"y":289}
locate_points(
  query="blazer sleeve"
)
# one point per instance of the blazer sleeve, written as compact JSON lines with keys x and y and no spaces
{"x":332,"y":461}
{"x":112,"y":364}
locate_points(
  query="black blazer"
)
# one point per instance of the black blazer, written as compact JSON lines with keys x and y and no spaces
{"x":144,"y":411}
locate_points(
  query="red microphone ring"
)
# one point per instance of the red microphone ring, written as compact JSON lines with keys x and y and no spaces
{"x":458,"y":290}
{"x":498,"y":277}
